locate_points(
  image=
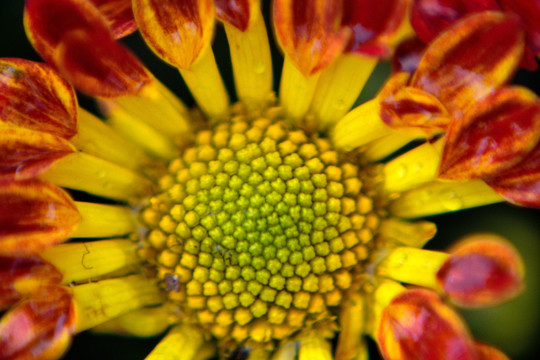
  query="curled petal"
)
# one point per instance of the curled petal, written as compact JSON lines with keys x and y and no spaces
{"x":483,"y":270}
{"x":430,"y":17}
{"x":405,"y":106}
{"x":309,"y":32}
{"x":239,"y":13}
{"x":33,"y":216}
{"x":418,"y":325}
{"x":119,"y":16}
{"x":74,"y":36}
{"x":178,"y":31}
{"x":40,"y":327}
{"x":470,"y":59}
{"x":34,"y":96}
{"x":493,"y":136}
{"x":373,"y":25}
{"x":17,"y":270}
{"x":26,"y":153}
{"x":520,"y":184}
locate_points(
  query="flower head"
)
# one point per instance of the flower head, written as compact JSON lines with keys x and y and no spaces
{"x":270,"y":227}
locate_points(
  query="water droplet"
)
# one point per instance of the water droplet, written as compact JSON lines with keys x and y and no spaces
{"x":101,"y":174}
{"x":451,"y":201}
{"x":401,"y":171}
{"x":339,"y":104}
{"x":399,"y":259}
{"x":259,"y":68}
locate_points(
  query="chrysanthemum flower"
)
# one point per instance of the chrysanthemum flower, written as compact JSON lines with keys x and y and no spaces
{"x":272,"y":228}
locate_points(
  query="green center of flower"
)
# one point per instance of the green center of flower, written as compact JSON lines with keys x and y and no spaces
{"x":259,"y":230}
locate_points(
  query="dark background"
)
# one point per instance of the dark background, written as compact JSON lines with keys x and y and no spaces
{"x":512,"y":327}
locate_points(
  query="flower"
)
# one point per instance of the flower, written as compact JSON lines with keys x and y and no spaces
{"x":271,"y":226}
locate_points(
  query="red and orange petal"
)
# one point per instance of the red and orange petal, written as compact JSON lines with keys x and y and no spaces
{"x":25,"y":153}
{"x":178,"y":31}
{"x":20,"y":276}
{"x":74,"y":36}
{"x":40,"y":327}
{"x":486,"y":352}
{"x":466,"y":62}
{"x":417,"y":325}
{"x":405,"y":107}
{"x":33,"y":216}
{"x":494,"y":136}
{"x":238,"y":13}
{"x":310,"y":32}
{"x":373,"y":24}
{"x":520,"y":184}
{"x":483,"y":270}
{"x":34,"y":96}
{"x":119,"y":15}
{"x":407,"y":55}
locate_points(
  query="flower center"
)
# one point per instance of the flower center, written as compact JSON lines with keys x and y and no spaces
{"x":258,"y":231}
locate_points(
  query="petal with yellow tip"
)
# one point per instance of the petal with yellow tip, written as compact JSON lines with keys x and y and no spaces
{"x":483,"y":270}
{"x":177,"y":31}
{"x":418,"y":325}
{"x":238,"y":13}
{"x":34,"y":96}
{"x":471,"y":58}
{"x":32,"y":272}
{"x":74,"y":36}
{"x":26,"y":153}
{"x":40,"y":327}
{"x":119,"y":16}
{"x":310,"y":32}
{"x":33,"y":216}
{"x":498,"y":133}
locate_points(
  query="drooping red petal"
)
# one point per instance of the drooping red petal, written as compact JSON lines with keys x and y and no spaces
{"x":373,"y":23}
{"x":405,"y":107}
{"x":236,"y":12}
{"x":177,"y":31}
{"x":310,"y":32}
{"x":430,"y":17}
{"x":492,"y":137}
{"x":40,"y":327}
{"x":417,"y":325}
{"x":16,"y":270}
{"x":521,"y":183}
{"x":119,"y":16}
{"x":33,"y":216}
{"x":34,"y":96}
{"x":26,"y":153}
{"x":483,"y":270}
{"x":470,"y":59}
{"x":74,"y":36}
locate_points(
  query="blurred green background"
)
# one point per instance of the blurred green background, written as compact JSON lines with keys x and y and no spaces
{"x":513,"y":327}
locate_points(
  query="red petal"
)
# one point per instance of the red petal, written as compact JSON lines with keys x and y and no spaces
{"x":74,"y":36}
{"x":484,"y":270}
{"x":486,"y":352}
{"x":16,"y":269}
{"x":494,"y":136}
{"x":34,"y":96}
{"x":33,"y":216}
{"x":119,"y":16}
{"x":177,"y":31}
{"x":466,"y":62}
{"x":418,"y":326}
{"x":309,"y":32}
{"x":236,"y":12}
{"x":430,"y":17}
{"x":408,"y":55}
{"x":26,"y":153}
{"x":404,"y":107}
{"x":372,"y":24}
{"x":40,"y":327}
{"x":521,"y":184}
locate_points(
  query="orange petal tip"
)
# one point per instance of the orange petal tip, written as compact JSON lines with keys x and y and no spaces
{"x":418,"y":325}
{"x":238,"y":13}
{"x":310,"y":32}
{"x":177,"y":31}
{"x":34,"y":96}
{"x":74,"y":36}
{"x":33,"y":216}
{"x":483,"y":270}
